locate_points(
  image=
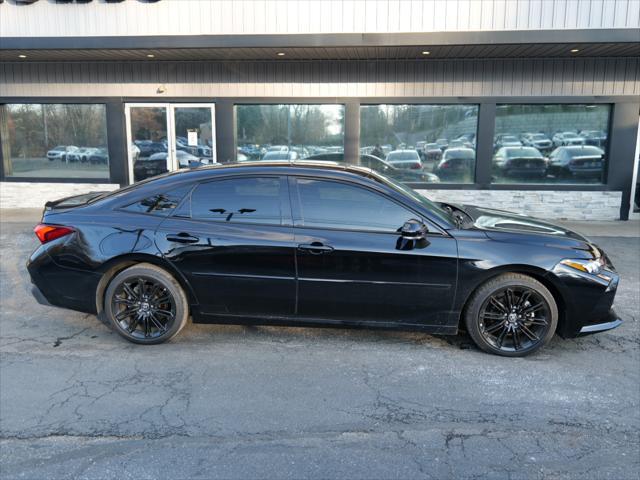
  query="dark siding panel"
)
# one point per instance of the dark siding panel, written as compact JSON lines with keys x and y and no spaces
{"x":396,"y":78}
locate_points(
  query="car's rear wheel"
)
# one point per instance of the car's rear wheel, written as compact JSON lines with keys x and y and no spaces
{"x":511,"y":315}
{"x":146,"y":305}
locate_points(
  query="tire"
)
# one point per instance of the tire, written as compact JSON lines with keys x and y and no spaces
{"x":512,"y":324}
{"x":146,"y":305}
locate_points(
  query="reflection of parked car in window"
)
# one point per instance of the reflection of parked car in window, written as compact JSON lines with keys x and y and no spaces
{"x":537,"y":140}
{"x":99,"y":156}
{"x":200,"y":150}
{"x":561,"y":139}
{"x":60,"y":152}
{"x":506,"y":140}
{"x":525,"y":162}
{"x":82,"y":154}
{"x":281,"y":155}
{"x":456,"y":164}
{"x":156,"y":164}
{"x":432,"y":152}
{"x":379,"y":165}
{"x":576,"y":161}
{"x":596,"y":138}
{"x":407,"y":159}
{"x":148,"y":148}
{"x":443,"y":143}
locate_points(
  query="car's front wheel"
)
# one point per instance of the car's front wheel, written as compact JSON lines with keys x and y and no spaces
{"x":146,"y":305}
{"x":511,"y":315}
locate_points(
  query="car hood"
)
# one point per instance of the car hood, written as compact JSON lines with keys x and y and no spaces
{"x":490,"y":220}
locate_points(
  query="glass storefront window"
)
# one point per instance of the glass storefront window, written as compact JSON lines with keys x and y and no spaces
{"x":54,"y":140}
{"x":288,"y":132}
{"x":557,"y":143}
{"x":436,"y":141}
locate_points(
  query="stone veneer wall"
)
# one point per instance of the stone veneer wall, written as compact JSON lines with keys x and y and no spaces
{"x":537,"y":203}
{"x":35,"y":195}
{"x":547,"y":204}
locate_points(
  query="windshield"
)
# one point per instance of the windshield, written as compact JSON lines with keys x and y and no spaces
{"x":434,"y":209}
{"x":538,"y":136}
{"x":570,"y":135}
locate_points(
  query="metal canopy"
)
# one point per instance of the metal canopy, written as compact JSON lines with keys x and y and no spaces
{"x":328,"y":53}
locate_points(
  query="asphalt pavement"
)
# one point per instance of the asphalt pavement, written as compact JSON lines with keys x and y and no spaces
{"x":77,"y":401}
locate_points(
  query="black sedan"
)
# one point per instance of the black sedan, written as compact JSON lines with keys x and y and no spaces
{"x":316,"y":245}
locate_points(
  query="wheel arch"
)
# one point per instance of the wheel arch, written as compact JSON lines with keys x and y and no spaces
{"x":537,"y":273}
{"x":117,"y":264}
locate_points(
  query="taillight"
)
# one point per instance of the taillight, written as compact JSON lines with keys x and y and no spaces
{"x":47,"y":233}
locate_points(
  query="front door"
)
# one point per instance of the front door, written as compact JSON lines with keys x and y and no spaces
{"x":163,"y":137}
{"x":234,"y":243}
{"x":349,"y":261}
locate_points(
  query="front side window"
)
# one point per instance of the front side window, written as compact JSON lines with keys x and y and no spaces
{"x":54,"y":141}
{"x":423,"y":143}
{"x":558,"y":143}
{"x":239,"y":200}
{"x":328,"y":204}
{"x":288,"y":132}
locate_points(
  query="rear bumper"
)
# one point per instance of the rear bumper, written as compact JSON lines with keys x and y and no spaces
{"x":609,"y":323}
{"x":39,"y":296}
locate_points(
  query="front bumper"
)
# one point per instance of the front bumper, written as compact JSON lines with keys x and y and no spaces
{"x":609,"y":323}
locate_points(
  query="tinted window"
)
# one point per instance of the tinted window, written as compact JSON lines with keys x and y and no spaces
{"x":54,"y":140}
{"x":548,"y":128}
{"x":385,"y":129}
{"x":306,"y":129}
{"x":160,"y":204}
{"x":238,"y":200}
{"x":338,"y":205}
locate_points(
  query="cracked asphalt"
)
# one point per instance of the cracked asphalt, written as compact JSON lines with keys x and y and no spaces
{"x":77,"y":401}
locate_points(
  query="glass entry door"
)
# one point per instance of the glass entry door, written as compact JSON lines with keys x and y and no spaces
{"x":163,"y":137}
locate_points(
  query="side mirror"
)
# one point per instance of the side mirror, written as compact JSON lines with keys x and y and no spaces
{"x":414,"y":230}
{"x":413,"y":234}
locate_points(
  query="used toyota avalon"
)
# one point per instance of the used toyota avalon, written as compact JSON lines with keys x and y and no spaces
{"x":315,"y":244}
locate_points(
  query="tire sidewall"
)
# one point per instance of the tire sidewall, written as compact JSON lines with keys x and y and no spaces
{"x":161,"y":276}
{"x":472,"y":313}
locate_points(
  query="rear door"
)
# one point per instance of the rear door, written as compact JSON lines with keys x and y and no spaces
{"x":233,"y":240}
{"x":349,"y":263}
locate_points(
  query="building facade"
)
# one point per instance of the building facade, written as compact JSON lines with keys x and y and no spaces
{"x":525,"y":105}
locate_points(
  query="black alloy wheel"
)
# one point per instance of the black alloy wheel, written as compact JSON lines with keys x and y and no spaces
{"x":512,"y":315}
{"x":146,"y":305}
{"x":514,"y":318}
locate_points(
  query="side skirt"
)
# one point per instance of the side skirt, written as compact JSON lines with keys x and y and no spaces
{"x":308,"y":322}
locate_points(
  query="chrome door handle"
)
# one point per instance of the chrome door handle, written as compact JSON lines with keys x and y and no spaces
{"x":315,"y":248}
{"x":182,"y":237}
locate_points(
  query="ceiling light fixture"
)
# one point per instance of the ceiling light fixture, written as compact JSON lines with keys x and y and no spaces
{"x":280,"y":54}
{"x":575,"y":50}
{"x":426,"y":52}
{"x":22,"y":56}
{"x":150,"y":55}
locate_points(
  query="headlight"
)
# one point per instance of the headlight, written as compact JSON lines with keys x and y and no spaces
{"x":594,"y":267}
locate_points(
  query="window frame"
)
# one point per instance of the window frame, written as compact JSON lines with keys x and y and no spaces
{"x":298,"y":219}
{"x":285,"y":202}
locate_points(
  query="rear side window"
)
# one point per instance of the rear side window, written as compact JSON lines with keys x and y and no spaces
{"x":239,"y":200}
{"x":160,"y":203}
{"x":328,"y":204}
